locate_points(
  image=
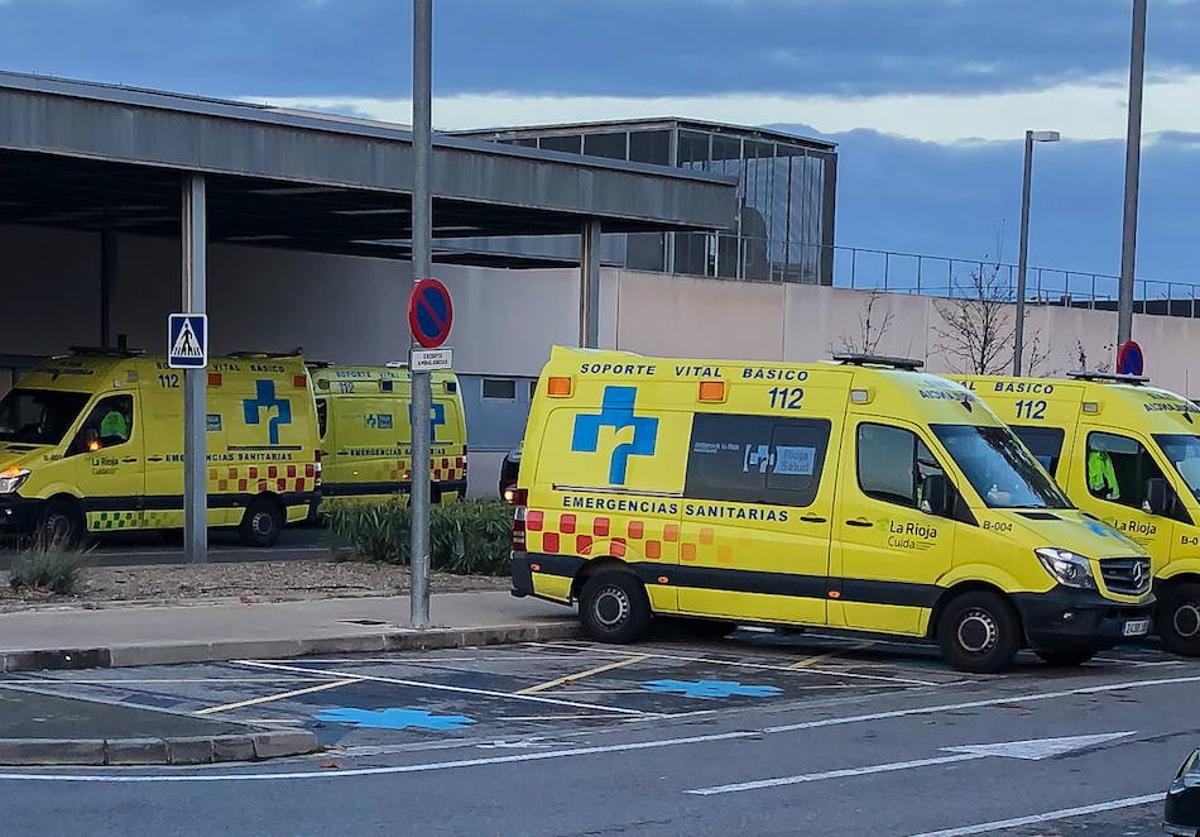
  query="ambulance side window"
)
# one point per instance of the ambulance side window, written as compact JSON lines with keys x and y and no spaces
{"x":756,"y":459}
{"x":1117,"y":468}
{"x":322,"y":416}
{"x":1045,"y":443}
{"x":893,"y":464}
{"x":109,"y":424}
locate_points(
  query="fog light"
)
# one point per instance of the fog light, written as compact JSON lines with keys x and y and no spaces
{"x":1068,"y":616}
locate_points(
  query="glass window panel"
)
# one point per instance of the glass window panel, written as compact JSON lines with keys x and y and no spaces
{"x":570,"y":143}
{"x":693,"y":150}
{"x":650,"y":147}
{"x":611,"y":145}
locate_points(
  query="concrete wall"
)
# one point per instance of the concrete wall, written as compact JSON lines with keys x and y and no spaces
{"x":352,"y":310}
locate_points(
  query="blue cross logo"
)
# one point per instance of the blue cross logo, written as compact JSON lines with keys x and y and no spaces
{"x":437,"y":418}
{"x":265,"y":399}
{"x":394,"y":719}
{"x":616,"y":412}
{"x":710,"y":688}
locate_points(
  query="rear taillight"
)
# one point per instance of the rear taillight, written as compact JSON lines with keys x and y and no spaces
{"x":317,"y":469}
{"x":515,"y":496}
{"x":518,"y":536}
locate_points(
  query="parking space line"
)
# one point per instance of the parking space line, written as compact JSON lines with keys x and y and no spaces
{"x":816,"y":658}
{"x":571,"y":678}
{"x":899,"y":681}
{"x":444,"y":687}
{"x":1049,"y":816}
{"x":308,"y":690}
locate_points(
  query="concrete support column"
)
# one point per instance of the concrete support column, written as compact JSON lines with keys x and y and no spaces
{"x":195,"y":381}
{"x":108,"y":274}
{"x":589,"y":285}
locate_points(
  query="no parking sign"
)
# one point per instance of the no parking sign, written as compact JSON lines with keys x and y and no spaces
{"x":430,"y":313}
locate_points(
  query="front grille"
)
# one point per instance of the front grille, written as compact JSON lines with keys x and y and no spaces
{"x":1127,"y":576}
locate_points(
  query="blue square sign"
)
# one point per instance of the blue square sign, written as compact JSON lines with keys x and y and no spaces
{"x":187,"y":341}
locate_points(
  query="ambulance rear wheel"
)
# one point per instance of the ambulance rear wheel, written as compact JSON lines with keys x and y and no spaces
{"x":614,"y":607}
{"x":262,"y":522}
{"x":61,"y":524}
{"x":1178,"y":618}
{"x":979,"y":632}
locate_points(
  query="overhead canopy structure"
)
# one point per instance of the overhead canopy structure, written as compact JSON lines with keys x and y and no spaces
{"x":90,"y":156}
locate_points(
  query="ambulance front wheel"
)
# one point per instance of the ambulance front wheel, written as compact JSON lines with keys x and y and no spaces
{"x":979,"y":632}
{"x":262,"y":522}
{"x":1178,"y":618}
{"x":614,"y":607}
{"x":61,"y":524}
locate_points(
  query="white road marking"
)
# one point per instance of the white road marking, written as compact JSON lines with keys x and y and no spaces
{"x":307,"y":690}
{"x":589,"y":751}
{"x":831,"y":774}
{"x":619,"y":710}
{"x":903,"y":681}
{"x":1034,"y":749}
{"x":1049,"y":816}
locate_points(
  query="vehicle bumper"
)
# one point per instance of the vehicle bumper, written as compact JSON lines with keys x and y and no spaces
{"x":522,"y":575}
{"x":17,"y":513}
{"x":1065,"y":619}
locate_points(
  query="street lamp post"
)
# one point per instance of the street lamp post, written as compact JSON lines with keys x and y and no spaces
{"x":1022,"y":266}
{"x":1133,"y":160}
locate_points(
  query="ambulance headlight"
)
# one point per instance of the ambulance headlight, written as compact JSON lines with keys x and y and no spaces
{"x":1067,"y":568}
{"x":12,"y":478}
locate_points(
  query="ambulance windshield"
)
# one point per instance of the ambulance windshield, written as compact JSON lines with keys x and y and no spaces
{"x":1183,"y":451}
{"x":1000,"y":468}
{"x":38,"y":417}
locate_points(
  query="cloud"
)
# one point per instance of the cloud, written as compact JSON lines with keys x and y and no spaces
{"x":1093,"y":109}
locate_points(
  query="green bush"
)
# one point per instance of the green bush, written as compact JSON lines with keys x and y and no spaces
{"x":470,"y":537}
{"x":48,"y":567}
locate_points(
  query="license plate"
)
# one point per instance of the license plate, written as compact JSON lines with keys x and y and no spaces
{"x":1137,"y":627}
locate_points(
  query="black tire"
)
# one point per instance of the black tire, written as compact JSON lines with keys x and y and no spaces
{"x":979,"y":632}
{"x":62,"y":524}
{"x":613,"y":607}
{"x":1178,"y":618}
{"x":262,"y":523}
{"x":1066,"y":659}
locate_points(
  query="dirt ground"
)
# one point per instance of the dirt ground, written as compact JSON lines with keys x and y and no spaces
{"x":273,"y":581}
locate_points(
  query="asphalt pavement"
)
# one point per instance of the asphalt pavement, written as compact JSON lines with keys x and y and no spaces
{"x":757,"y":735}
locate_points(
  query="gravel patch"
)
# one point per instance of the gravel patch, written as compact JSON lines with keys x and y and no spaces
{"x":267,"y":581}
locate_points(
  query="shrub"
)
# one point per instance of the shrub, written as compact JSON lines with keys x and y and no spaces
{"x":48,"y":567}
{"x":468,"y":537}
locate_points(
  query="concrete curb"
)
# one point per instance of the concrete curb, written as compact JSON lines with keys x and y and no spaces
{"x":119,"y":656}
{"x":101,"y":752}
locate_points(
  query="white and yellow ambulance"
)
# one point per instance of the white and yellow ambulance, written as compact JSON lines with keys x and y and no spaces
{"x":92,"y":443}
{"x":365,"y":427}
{"x":863,"y":495}
{"x":1128,"y":453}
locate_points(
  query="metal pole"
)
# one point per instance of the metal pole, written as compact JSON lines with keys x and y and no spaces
{"x":1133,"y":161}
{"x":1023,"y":259}
{"x":589,"y":285}
{"x":108,"y":272}
{"x":422,"y":232}
{"x":195,"y":381}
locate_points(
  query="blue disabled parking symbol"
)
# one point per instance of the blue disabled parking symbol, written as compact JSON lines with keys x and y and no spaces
{"x":710,"y":688}
{"x":187,"y":341}
{"x":396,"y":719}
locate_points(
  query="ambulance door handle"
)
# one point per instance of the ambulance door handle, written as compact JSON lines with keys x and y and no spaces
{"x":808,"y":518}
{"x":860,"y":521}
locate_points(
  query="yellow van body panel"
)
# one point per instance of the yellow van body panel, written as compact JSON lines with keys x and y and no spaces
{"x":614,"y":468}
{"x":366,"y":435}
{"x":261,"y":438}
{"x":1078,"y":408}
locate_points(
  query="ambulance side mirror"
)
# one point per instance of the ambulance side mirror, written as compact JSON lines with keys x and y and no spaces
{"x":938,"y":495}
{"x":1159,"y":498}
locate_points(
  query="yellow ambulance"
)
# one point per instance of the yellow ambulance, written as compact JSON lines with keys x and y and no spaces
{"x":92,"y":443}
{"x":1129,"y":454}
{"x":861,"y":495}
{"x":365,"y":427}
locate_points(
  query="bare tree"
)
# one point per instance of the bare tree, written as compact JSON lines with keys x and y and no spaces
{"x":872,"y":328}
{"x":977,"y":329}
{"x":1101,"y":366}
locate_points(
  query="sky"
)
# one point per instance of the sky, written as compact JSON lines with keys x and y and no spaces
{"x":928,"y":100}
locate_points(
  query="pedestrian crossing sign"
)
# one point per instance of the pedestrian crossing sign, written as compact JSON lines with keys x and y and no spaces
{"x":187,"y":341}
